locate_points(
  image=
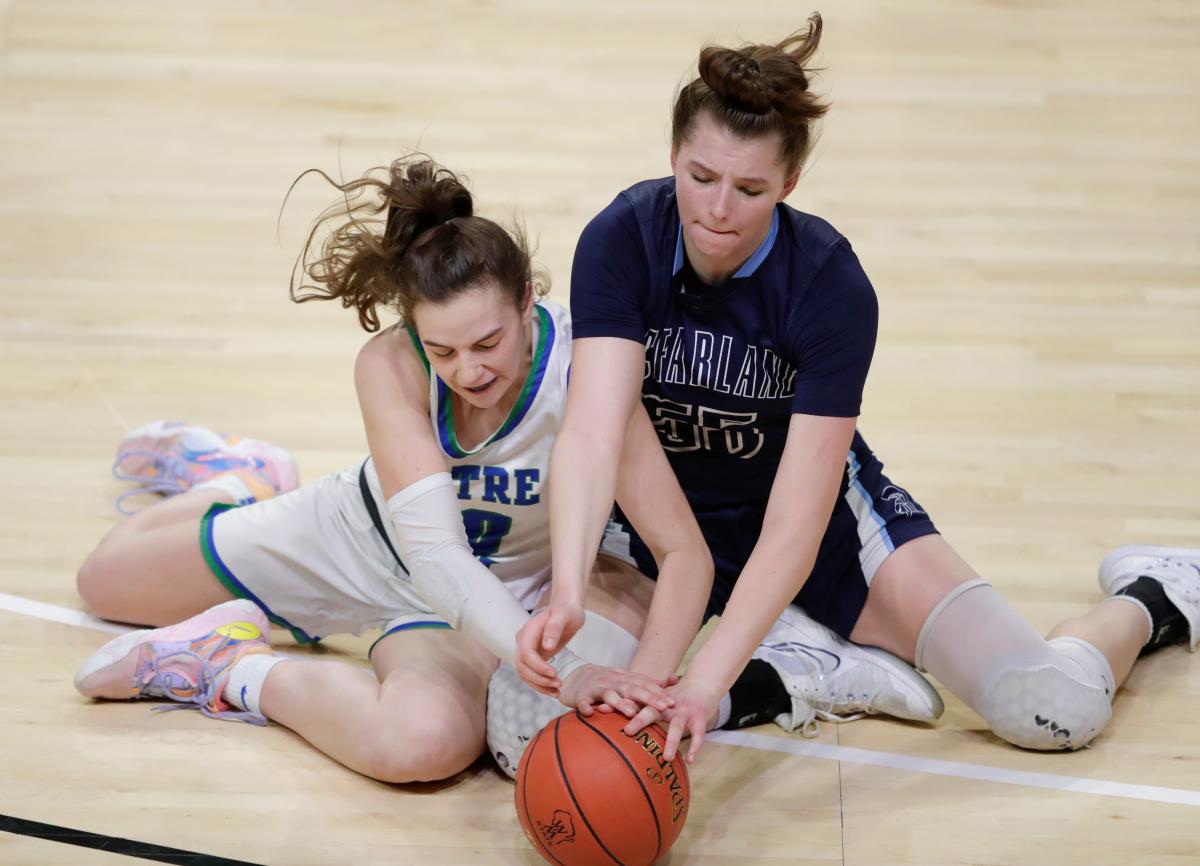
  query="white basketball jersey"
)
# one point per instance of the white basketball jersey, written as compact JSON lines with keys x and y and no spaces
{"x":502,"y":483}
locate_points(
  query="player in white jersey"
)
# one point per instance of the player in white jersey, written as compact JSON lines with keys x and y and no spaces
{"x":440,"y":538}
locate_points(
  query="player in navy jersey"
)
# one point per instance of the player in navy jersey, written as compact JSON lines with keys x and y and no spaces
{"x":747,"y":328}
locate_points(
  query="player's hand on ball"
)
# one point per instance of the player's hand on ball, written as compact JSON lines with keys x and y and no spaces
{"x":694,"y":702}
{"x":546,"y":632}
{"x":593,"y":687}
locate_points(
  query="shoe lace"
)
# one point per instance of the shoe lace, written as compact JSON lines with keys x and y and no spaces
{"x":1189,"y":586}
{"x":208,"y":685}
{"x":170,"y":475}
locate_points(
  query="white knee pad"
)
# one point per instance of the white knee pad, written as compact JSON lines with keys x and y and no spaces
{"x":1035,"y":694}
{"x":515,"y":712}
{"x":1055,"y":706}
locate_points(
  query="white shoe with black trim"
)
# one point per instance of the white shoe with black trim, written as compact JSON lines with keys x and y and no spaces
{"x":832,"y":679}
{"x":1176,"y":568}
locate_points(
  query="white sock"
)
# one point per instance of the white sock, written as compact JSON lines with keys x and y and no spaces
{"x":246,"y":679}
{"x":230,"y":483}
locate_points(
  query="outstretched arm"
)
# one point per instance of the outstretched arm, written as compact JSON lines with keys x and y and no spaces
{"x":798,"y":511}
{"x":604,"y":387}
{"x":652,"y":499}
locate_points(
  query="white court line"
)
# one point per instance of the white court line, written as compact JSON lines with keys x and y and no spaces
{"x":54,"y":613}
{"x":933,"y":766}
{"x":847,"y":754}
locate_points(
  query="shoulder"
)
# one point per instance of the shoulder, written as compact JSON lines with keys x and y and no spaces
{"x":390,"y":365}
{"x":811,"y":240}
{"x":817,"y":255}
{"x":559,"y":319}
{"x":825,"y":281}
{"x":633,"y":213}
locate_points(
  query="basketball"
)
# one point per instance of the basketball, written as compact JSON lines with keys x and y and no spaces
{"x":588,"y":794}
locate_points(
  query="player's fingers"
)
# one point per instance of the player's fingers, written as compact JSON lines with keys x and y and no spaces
{"x":646,"y":716}
{"x":536,"y":666}
{"x":622,"y":704}
{"x":536,"y":677}
{"x":552,"y":634}
{"x":654,"y":697}
{"x":544,"y":684}
{"x":528,"y":652}
{"x":675,"y":732}
{"x":697,"y":727}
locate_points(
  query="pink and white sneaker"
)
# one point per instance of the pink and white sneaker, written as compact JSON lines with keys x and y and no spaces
{"x":189,"y":662}
{"x":170,"y":457}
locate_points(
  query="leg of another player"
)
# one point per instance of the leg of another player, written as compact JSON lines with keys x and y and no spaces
{"x":150,"y":569}
{"x":620,"y":593}
{"x":927,"y":605}
{"x":185,"y":507}
{"x":419,"y":717}
{"x":1118,"y":629}
{"x":919,"y":575}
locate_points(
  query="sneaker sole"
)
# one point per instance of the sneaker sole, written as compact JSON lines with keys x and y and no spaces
{"x":900,"y":670}
{"x":119,"y":648}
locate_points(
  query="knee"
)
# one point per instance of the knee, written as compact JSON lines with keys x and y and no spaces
{"x":425,"y":748}
{"x":91,"y":582}
{"x":1045,"y":709}
{"x":515,"y":714}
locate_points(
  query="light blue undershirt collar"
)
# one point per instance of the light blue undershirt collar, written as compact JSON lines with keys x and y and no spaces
{"x":751,"y":264}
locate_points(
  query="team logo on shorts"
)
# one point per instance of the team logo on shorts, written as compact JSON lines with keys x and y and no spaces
{"x":902,"y":503}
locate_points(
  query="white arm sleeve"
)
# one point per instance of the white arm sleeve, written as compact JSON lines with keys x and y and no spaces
{"x":433,"y":545}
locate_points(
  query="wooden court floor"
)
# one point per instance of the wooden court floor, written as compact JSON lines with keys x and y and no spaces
{"x":1021,"y":181}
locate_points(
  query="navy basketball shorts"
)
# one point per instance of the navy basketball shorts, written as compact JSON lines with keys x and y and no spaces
{"x":871,"y":518}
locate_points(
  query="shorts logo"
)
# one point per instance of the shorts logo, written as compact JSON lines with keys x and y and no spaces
{"x":901,"y":502}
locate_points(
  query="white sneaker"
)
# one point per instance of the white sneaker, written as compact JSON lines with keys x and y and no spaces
{"x":832,"y":679}
{"x":1176,"y":568}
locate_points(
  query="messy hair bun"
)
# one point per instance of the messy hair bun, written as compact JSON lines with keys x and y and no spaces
{"x":757,"y":90}
{"x":431,"y":247}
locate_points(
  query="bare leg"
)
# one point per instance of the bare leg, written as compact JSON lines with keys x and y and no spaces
{"x":419,"y":718}
{"x":1116,"y":628}
{"x":905,"y":590}
{"x":149,"y":569}
{"x":189,"y":506}
{"x":918,"y":575}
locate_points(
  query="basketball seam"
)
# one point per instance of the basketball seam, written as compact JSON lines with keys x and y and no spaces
{"x":638,"y":779}
{"x":525,"y":799}
{"x":562,"y":771}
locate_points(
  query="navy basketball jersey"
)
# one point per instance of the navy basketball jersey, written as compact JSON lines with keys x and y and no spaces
{"x":792,"y":331}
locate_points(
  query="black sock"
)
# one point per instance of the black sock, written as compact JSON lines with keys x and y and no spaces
{"x":1170,"y":626}
{"x":757,"y":696}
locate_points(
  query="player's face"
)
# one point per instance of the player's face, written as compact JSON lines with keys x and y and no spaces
{"x":477,"y":342}
{"x":727,"y":188}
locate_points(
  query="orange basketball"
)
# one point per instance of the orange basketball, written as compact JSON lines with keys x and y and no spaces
{"x":589,"y":795}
